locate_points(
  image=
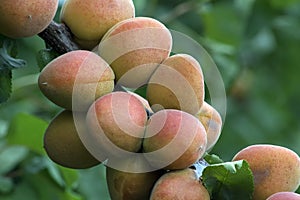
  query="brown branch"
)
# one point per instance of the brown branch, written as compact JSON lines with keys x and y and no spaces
{"x":58,"y":37}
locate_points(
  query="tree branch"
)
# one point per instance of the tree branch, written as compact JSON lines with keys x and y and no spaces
{"x":58,"y":36}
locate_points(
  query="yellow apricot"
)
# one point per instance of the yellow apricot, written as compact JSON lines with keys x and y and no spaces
{"x":177,"y":83}
{"x":89,"y":21}
{"x":212,"y":122}
{"x":134,"y":48}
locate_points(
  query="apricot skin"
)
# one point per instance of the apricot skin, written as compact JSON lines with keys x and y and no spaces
{"x":212,"y":122}
{"x":181,"y":184}
{"x":162,"y":129}
{"x":120,"y":117}
{"x":275,"y":169}
{"x":133,"y":186}
{"x":26,"y":18}
{"x":177,"y":83}
{"x":63,"y":145}
{"x":90,"y":21}
{"x":91,"y":75}
{"x":144,"y":102}
{"x":284,"y":196}
{"x":134,"y":48}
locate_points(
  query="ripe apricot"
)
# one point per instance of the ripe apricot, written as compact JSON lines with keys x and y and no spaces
{"x":117,"y":120}
{"x":90,"y":21}
{"x":275,"y":169}
{"x":134,"y":48}
{"x":26,"y":18}
{"x":180,"y":184}
{"x":63,"y":145}
{"x":133,"y":186}
{"x":144,"y":102}
{"x":177,"y":83}
{"x":75,"y":79}
{"x":284,"y":196}
{"x":212,"y":122}
{"x":174,"y":140}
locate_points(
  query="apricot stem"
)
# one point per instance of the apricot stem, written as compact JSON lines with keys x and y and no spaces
{"x":58,"y":37}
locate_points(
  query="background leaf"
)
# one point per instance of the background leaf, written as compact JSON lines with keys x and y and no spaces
{"x":92,"y":183}
{"x":23,"y":191}
{"x":52,"y":191}
{"x":10,"y":157}
{"x":5,"y":84}
{"x":27,"y":130}
{"x":6,"y":185}
{"x":70,"y":177}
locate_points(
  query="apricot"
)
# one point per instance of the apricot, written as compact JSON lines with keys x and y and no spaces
{"x":144,"y":102}
{"x":134,"y":48}
{"x":177,"y":83}
{"x":275,"y":169}
{"x":63,"y":145}
{"x":174,"y":140}
{"x":117,"y":120}
{"x":181,"y":184}
{"x":86,"y":44}
{"x":212,"y":122}
{"x":284,"y":196}
{"x":26,"y":18}
{"x":90,"y":21}
{"x":133,"y":186}
{"x":75,"y":79}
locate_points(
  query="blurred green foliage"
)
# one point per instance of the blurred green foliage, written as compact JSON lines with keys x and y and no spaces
{"x":255,"y":45}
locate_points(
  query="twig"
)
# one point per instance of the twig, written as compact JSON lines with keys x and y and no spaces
{"x":58,"y":36}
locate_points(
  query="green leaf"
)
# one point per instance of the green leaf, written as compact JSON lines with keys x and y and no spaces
{"x":97,"y":186}
{"x":230,"y":180}
{"x":7,"y":53}
{"x":45,"y":56}
{"x":22,"y":191}
{"x":46,"y":189}
{"x":71,"y":195}
{"x":215,"y":28}
{"x":5,"y":85}
{"x":55,"y":173}
{"x":283,"y":4}
{"x":27,"y":130}
{"x":11,"y":157}
{"x":64,"y":177}
{"x":8,"y":62}
{"x":6,"y":185}
{"x":70,"y":176}
{"x":141,"y":91}
{"x":213,"y":159}
{"x":3,"y":128}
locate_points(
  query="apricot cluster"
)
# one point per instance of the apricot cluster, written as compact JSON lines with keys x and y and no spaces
{"x":169,"y":130}
{"x":148,"y":144}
